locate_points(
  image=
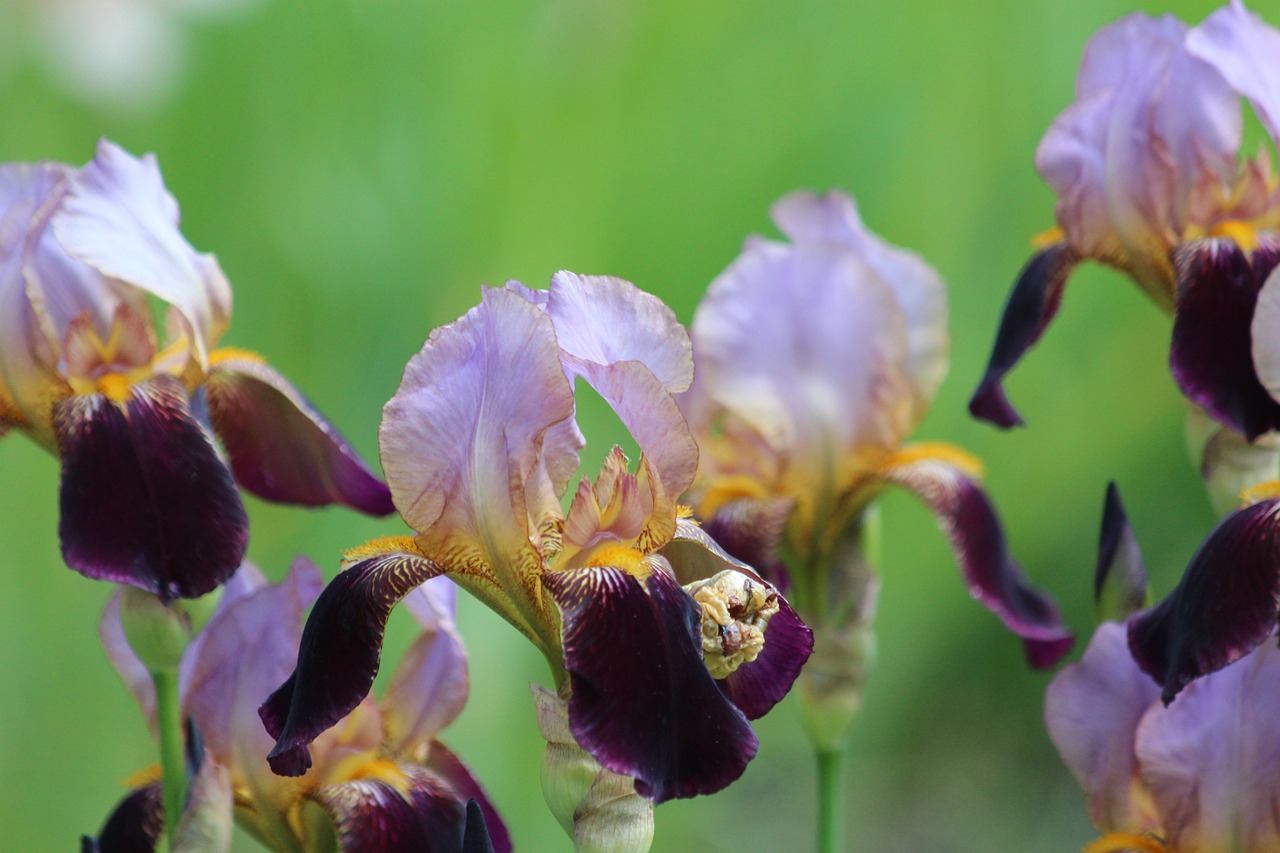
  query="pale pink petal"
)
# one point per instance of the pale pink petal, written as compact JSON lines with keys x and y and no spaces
{"x":1211,"y":759}
{"x":1247,"y":53}
{"x":465,"y":432}
{"x":119,"y":218}
{"x":1092,"y":709}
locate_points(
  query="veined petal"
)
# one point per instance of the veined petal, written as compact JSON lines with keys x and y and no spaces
{"x":339,"y":655}
{"x":430,"y":684}
{"x":281,"y":448}
{"x":1247,"y":53}
{"x":1092,"y":709}
{"x":1212,"y":354}
{"x":642,"y":702}
{"x":375,"y":816}
{"x":145,"y":500}
{"x":1223,"y":607}
{"x":118,"y":218}
{"x":833,"y":217}
{"x":1210,"y":760}
{"x":1032,"y":305}
{"x":750,"y":530}
{"x":466,"y":429}
{"x":993,"y":578}
{"x":460,"y":780}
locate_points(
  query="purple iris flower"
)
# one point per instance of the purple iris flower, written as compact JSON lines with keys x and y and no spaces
{"x":380,"y":781}
{"x":131,"y":406}
{"x":1152,"y":179}
{"x":666,"y":645}
{"x":1198,"y":775}
{"x":816,"y":358}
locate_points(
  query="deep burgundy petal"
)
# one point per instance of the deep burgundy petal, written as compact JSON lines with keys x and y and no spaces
{"x":372,"y":816}
{"x":339,"y":654}
{"x":643,"y":703}
{"x":281,"y":448}
{"x":750,"y":530}
{"x":1224,"y":606}
{"x":458,"y":777}
{"x":1211,"y":355}
{"x":1120,"y":579}
{"x":134,"y":827}
{"x":757,"y":686}
{"x":144,"y":499}
{"x":476,"y":838}
{"x":1032,"y":304}
{"x":993,"y":578}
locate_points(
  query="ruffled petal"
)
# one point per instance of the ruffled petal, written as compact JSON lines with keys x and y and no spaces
{"x":1092,"y":709}
{"x":1212,"y":353}
{"x":339,"y":654}
{"x":460,"y":780}
{"x":465,"y":432}
{"x":281,"y":448}
{"x":642,"y":702}
{"x":1120,"y":580}
{"x":1032,"y":305}
{"x":430,"y":684}
{"x":144,"y":498}
{"x":1210,"y":760}
{"x":833,"y":217}
{"x":1247,"y":53}
{"x":993,"y":578}
{"x":118,"y":218}
{"x":1224,"y":606}
{"x":375,"y":816}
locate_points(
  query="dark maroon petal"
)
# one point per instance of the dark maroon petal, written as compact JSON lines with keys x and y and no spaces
{"x":1120,"y":580}
{"x":642,"y":702}
{"x":993,"y":578}
{"x":372,"y":816}
{"x":750,"y":530}
{"x":458,"y":777}
{"x":1032,"y":304}
{"x":339,"y":654}
{"x":145,"y":500}
{"x":757,"y":686}
{"x":281,"y":448}
{"x":476,"y":838}
{"x":1224,"y":606}
{"x":1211,"y":355}
{"x":134,"y":827}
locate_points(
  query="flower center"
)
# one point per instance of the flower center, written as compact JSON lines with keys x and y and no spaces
{"x":1241,"y":233}
{"x":621,"y":557}
{"x":735,"y":612}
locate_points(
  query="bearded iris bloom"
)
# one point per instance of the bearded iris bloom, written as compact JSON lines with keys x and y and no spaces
{"x":1198,"y":775}
{"x":816,"y":359}
{"x":381,"y":781}
{"x":664,"y":645}
{"x":1152,"y":180}
{"x":86,"y":257}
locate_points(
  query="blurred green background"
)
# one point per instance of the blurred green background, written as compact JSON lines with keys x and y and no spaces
{"x":360,"y":168}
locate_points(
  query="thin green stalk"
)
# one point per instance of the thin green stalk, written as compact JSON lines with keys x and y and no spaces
{"x":172,"y":753}
{"x":830,"y":798}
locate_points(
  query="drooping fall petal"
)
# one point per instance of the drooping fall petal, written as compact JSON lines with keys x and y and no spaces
{"x":280,"y":447}
{"x":993,"y":578}
{"x":1032,"y":305}
{"x":145,"y":500}
{"x":642,"y":702}
{"x":1224,"y":606}
{"x":339,"y":655}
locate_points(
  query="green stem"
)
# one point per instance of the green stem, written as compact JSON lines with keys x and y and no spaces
{"x":172,"y":753}
{"x":830,"y":797}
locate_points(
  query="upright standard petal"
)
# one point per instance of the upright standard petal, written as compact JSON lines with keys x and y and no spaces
{"x":339,"y":655}
{"x":281,"y":448}
{"x":1032,"y":305}
{"x":1247,"y":53}
{"x":145,"y":500}
{"x":1224,"y":606}
{"x":642,"y":702}
{"x":993,"y":578}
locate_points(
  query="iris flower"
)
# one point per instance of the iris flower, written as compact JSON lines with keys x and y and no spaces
{"x":380,"y":780}
{"x":87,"y":258}
{"x":816,"y":359}
{"x":1195,"y":776}
{"x":1152,"y":180}
{"x":664,"y":645}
